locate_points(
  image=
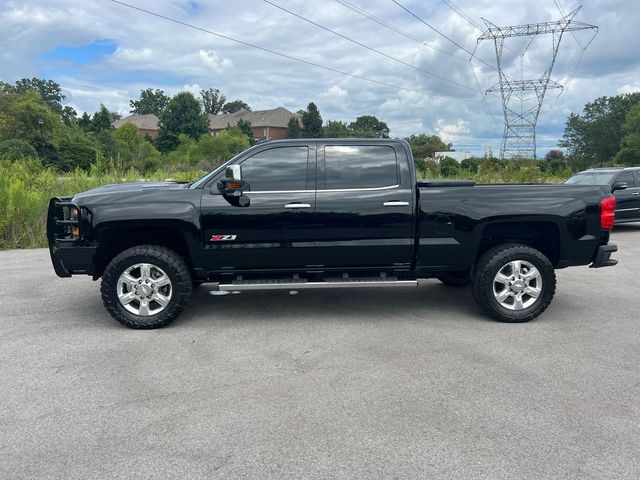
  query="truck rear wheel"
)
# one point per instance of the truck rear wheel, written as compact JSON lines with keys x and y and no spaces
{"x":146,"y":286}
{"x":513,"y":283}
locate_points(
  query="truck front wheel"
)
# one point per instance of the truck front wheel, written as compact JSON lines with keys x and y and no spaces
{"x":146,"y":286}
{"x":513,"y":283}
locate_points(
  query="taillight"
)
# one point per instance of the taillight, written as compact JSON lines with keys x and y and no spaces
{"x":607,"y":213}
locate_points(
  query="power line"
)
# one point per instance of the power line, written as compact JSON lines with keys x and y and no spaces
{"x":398,"y":30}
{"x":284,"y":55}
{"x":368,"y":47}
{"x":470,"y":20}
{"x":442,"y":34}
{"x":462,"y":14}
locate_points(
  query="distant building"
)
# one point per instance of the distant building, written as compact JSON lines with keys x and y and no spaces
{"x":457,"y":156}
{"x":270,"y":124}
{"x":146,"y":124}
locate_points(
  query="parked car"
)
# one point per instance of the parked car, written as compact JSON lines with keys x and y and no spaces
{"x":326,"y":213}
{"x":625,"y":185}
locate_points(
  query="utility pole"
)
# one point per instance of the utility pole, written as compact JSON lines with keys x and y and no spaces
{"x":522,"y":99}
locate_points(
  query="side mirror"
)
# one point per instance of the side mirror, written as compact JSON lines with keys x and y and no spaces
{"x":619,"y":186}
{"x":232,"y":185}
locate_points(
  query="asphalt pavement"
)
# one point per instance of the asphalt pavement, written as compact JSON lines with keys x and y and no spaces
{"x":368,"y":383}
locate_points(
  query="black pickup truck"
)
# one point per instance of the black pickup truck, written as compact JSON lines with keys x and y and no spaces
{"x":325,"y":213}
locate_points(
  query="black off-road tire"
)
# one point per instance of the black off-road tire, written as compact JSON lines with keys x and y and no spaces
{"x":169,"y":261}
{"x":455,"y":279}
{"x":488,"y":266}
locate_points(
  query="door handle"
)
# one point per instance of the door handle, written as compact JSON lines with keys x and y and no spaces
{"x":635,"y":193}
{"x":395,"y":204}
{"x":297,"y":205}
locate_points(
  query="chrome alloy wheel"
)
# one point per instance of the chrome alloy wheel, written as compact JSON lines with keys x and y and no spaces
{"x":517,"y":285}
{"x":144,"y":289}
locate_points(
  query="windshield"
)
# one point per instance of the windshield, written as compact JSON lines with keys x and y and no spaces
{"x":200,"y":183}
{"x":592,"y":178}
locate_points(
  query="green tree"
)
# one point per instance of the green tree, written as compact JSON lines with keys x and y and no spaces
{"x":449,"y":167}
{"x":311,"y":122}
{"x":235,"y":106}
{"x":85,"y":122}
{"x":51,"y":94}
{"x":184,"y":115}
{"x":134,"y":151}
{"x":246,"y":128}
{"x":212,"y":101}
{"x":208,"y":152}
{"x":294,"y":130}
{"x":150,"y":101}
{"x":103,"y":119}
{"x":629,"y":153}
{"x":337,"y":129}
{"x":76,"y":150}
{"x":471,"y":165}
{"x":595,"y":136}
{"x":16,"y":149}
{"x":26,"y":117}
{"x":425,"y":146}
{"x":369,"y":126}
{"x":553,"y":163}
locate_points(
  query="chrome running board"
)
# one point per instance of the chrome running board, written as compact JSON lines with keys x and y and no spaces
{"x":244,"y":285}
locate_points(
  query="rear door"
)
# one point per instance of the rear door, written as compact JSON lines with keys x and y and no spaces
{"x":627,"y":200}
{"x":276,"y":231}
{"x":636,"y":192}
{"x":364,"y":206}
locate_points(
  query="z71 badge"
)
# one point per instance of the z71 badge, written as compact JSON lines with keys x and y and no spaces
{"x":222,"y":238}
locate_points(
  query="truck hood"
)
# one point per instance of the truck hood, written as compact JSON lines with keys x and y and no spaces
{"x":128,"y":188}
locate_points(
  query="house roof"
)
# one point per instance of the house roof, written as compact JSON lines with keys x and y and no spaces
{"x":278,"y":117}
{"x":143,"y":122}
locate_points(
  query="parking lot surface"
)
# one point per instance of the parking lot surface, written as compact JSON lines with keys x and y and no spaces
{"x":365,"y":383}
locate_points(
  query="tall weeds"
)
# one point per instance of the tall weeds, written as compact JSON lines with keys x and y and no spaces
{"x":25,"y":190}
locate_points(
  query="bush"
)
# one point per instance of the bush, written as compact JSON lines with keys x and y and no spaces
{"x":207,"y":152}
{"x":16,"y":149}
{"x":449,"y":167}
{"x":470,"y":165}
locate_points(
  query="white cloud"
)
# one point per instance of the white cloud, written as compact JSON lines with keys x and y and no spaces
{"x":194,"y":88}
{"x":155,"y":53}
{"x":335,"y":96}
{"x":628,"y":88}
{"x":212,"y":60}
{"x":452,"y":132}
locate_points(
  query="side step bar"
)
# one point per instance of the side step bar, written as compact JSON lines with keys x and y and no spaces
{"x":277,"y":285}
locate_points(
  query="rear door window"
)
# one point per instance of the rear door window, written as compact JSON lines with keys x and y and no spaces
{"x":360,"y":166}
{"x":626,"y":177}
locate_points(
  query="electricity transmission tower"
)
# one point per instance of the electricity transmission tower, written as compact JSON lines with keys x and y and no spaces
{"x":522,"y":99}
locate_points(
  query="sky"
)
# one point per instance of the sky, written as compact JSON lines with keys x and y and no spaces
{"x":412,"y":77}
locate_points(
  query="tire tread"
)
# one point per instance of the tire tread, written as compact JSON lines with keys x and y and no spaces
{"x":182,"y":286}
{"x":483,"y":278}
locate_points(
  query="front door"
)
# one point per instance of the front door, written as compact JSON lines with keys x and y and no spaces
{"x":276,"y":230}
{"x":627,"y":200}
{"x":364,"y":206}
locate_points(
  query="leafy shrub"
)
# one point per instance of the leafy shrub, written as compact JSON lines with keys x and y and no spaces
{"x":16,"y":149}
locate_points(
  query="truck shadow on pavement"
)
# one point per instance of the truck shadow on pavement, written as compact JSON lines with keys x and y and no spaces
{"x":429,"y":301}
{"x":626,"y":229}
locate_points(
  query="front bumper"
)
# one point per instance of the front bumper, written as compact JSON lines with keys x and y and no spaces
{"x":603,"y":256}
{"x":69,"y":259}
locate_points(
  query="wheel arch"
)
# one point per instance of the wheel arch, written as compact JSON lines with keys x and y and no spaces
{"x":114,"y":238}
{"x":541,"y":235}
